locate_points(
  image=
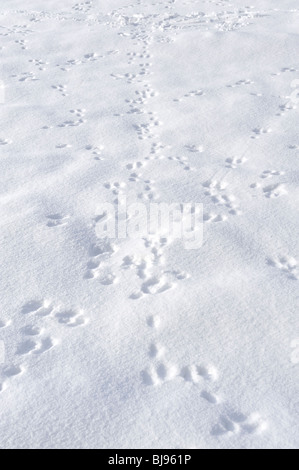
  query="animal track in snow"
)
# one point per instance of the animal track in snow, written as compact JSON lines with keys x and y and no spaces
{"x":157,"y":374}
{"x":234,"y":162}
{"x":132,"y":77}
{"x":71,"y":318}
{"x":80,"y":113}
{"x":12,"y":371}
{"x":31,"y":330}
{"x":153,"y":285}
{"x":160,"y":372}
{"x":183,"y":161}
{"x":217,"y":192}
{"x":115,"y":187}
{"x":44,"y":308}
{"x":83,"y":7}
{"x":235,"y":422}
{"x":289,"y":69}
{"x":61,"y":88}
{"x":102,"y":248}
{"x":5,"y":142}
{"x":9,"y":373}
{"x":108,"y":279}
{"x":190,"y":94}
{"x":40,"y":307}
{"x":35,"y":338}
{"x":134,"y":166}
{"x":26,"y":76}
{"x":274,"y":190}
{"x":92,"y":269}
{"x":99,"y":252}
{"x":195,"y":373}
{"x":133,"y":56}
{"x":286,"y":264}
{"x":137,"y":105}
{"x":56,"y":220}
{"x":63,"y":146}
{"x":96,"y":151}
{"x":144,"y":130}
{"x":39,"y":63}
{"x":260,"y":131}
{"x":286,"y":108}
{"x":69,"y":64}
{"x":211,"y":217}
{"x":153,"y":321}
{"x":157,"y":150}
{"x":3,"y":324}
{"x":145,"y":188}
{"x":45,"y":345}
{"x":155,"y":279}
{"x":270,"y":173}
{"x":86,"y":58}
{"x":285,"y":70}
{"x":241,"y":83}
{"x":194,"y":148}
{"x":156,"y":350}
{"x":210,"y":397}
{"x":26,"y":347}
{"x":91,"y":57}
{"x":16,"y":29}
{"x":202,"y":375}
{"x":40,"y":346}
{"x":117,"y":190}
{"x":22,"y":43}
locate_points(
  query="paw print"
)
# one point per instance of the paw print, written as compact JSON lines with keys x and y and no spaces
{"x":218,"y":194}
{"x":234,"y":162}
{"x":286,"y":264}
{"x":5,"y":142}
{"x":39,"y":63}
{"x":258,"y":132}
{"x":96,"y":151}
{"x":159,"y":373}
{"x":56,"y":220}
{"x":79,"y":113}
{"x":274,"y":190}
{"x":61,"y":89}
{"x":236,"y":422}
{"x":34,"y":338}
{"x":270,"y":173}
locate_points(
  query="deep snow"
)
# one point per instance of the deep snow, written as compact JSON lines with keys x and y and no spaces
{"x":143,"y":343}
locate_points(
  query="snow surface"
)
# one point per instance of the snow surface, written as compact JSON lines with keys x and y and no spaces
{"x":144,"y":344}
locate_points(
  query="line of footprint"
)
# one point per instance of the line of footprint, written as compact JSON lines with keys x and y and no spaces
{"x":35,"y":338}
{"x":205,"y":378}
{"x":159,"y":371}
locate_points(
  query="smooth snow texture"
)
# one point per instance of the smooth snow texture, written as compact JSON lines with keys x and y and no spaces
{"x":123,"y":343}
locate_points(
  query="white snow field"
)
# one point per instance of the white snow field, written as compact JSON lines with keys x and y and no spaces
{"x":123,"y":343}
